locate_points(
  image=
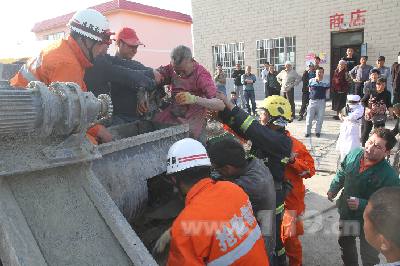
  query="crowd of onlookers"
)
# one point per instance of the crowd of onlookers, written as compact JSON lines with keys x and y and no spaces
{"x":377,"y":86}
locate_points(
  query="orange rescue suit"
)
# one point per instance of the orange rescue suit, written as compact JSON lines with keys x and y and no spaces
{"x":62,"y":61}
{"x":292,"y":226}
{"x":216,"y":227}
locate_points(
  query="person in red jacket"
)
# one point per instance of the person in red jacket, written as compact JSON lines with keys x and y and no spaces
{"x":217,"y":225}
{"x":301,"y":165}
{"x":66,"y":60}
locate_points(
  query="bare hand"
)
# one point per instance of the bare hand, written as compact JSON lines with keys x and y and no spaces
{"x":330,"y":195}
{"x":142,"y":107}
{"x":158,"y":77}
{"x":353,"y":203}
{"x":222,"y":97}
{"x":103,"y":135}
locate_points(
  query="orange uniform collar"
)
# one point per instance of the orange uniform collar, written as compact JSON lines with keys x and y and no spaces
{"x":197,"y":188}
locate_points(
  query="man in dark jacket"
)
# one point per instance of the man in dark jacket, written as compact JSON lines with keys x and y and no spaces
{"x":307,"y":75}
{"x":269,"y":143}
{"x":362,"y":172}
{"x":228,"y":158}
{"x":396,"y":81}
{"x":237,"y":75}
{"x":121,"y":77}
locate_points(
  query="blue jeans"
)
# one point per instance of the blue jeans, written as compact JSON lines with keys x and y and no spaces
{"x":250,"y":96}
{"x":221,"y":88}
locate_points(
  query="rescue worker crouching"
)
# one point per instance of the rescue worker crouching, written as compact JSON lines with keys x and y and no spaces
{"x":269,"y":143}
{"x":228,"y":158}
{"x":67,"y":59}
{"x":217,"y":225}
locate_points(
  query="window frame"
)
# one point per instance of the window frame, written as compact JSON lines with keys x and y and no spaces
{"x":228,"y":54}
{"x":276,"y":51}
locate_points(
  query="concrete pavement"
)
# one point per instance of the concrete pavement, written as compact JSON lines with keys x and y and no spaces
{"x":320,"y":245}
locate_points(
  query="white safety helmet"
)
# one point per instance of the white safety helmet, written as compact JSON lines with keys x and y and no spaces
{"x":185,"y":154}
{"x":90,"y":23}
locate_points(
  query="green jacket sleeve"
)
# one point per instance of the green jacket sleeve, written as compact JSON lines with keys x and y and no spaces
{"x":338,"y":181}
{"x":362,"y":204}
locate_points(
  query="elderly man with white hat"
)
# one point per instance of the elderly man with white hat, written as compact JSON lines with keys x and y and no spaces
{"x":288,"y":78}
{"x":349,"y":136}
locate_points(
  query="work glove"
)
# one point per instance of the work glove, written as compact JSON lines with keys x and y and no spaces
{"x":185,"y":98}
{"x":162,"y":242}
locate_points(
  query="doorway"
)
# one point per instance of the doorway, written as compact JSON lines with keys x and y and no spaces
{"x":340,"y":41}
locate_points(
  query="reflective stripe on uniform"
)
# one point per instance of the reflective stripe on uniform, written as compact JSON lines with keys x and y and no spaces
{"x":238,"y":252}
{"x":37,"y":62}
{"x":304,"y":173}
{"x":285,"y":160}
{"x":279,"y":209}
{"x":246,"y":123}
{"x":27,"y":74}
{"x":281,"y":252}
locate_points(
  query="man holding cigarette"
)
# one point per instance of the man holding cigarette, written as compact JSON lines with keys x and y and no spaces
{"x":362,"y":172}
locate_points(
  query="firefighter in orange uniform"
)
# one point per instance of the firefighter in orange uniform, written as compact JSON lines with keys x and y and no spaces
{"x":301,"y":165}
{"x":66,"y":60}
{"x":217,"y":225}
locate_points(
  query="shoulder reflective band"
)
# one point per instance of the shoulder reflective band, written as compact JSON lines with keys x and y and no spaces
{"x":285,"y":160}
{"x":27,"y":74}
{"x":246,"y":123}
{"x":238,"y":252}
{"x":279,"y":209}
{"x":281,"y":252}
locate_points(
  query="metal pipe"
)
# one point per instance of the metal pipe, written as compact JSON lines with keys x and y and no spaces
{"x":60,"y":109}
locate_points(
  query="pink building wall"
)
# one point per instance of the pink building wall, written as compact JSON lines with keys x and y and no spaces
{"x":160,"y":35}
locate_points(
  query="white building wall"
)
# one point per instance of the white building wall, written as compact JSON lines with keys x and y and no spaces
{"x":217,"y":22}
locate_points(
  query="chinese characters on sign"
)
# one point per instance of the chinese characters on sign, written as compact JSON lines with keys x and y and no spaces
{"x":357,"y":19}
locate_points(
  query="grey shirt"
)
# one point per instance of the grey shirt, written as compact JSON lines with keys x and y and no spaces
{"x":248,"y":86}
{"x":360,"y":73}
{"x":257,"y":181}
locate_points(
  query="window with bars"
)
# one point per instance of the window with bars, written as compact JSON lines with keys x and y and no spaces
{"x":55,"y":36}
{"x":228,"y":55}
{"x":276,"y":51}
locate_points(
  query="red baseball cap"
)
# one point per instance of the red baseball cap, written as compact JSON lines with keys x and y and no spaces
{"x":128,"y":36}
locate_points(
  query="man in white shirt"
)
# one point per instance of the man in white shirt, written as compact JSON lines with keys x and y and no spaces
{"x":288,"y":78}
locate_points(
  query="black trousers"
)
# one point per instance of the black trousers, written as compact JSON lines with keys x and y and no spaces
{"x":347,"y":243}
{"x":359,"y":89}
{"x":290,"y":96}
{"x":280,"y":252}
{"x":396,"y":95}
{"x":305,"y":98}
{"x":366,"y":128}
